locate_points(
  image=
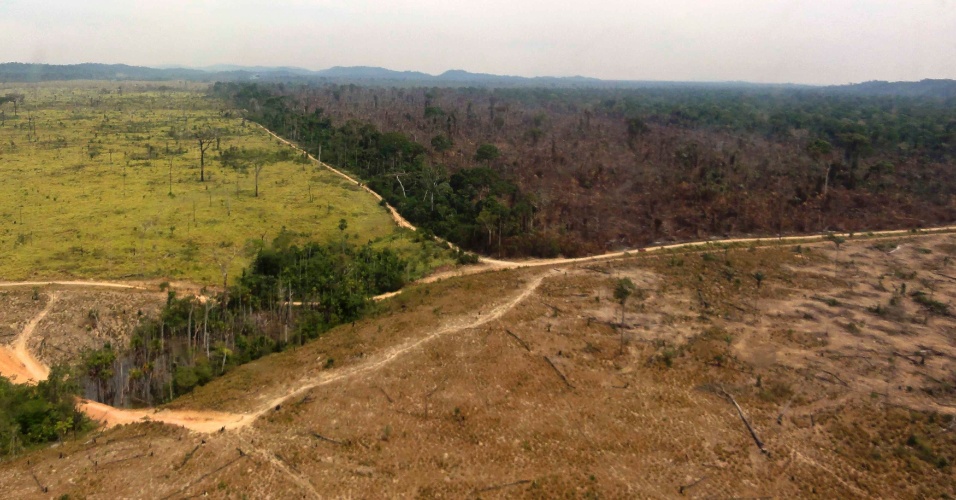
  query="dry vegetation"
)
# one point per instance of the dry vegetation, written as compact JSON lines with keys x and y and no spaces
{"x":514,"y":383}
{"x":82,"y":320}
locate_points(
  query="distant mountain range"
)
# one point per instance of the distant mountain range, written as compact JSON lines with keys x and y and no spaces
{"x":23,"y":72}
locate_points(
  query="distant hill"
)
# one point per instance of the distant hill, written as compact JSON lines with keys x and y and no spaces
{"x":925,"y":88}
{"x":370,"y":72}
{"x":22,"y":72}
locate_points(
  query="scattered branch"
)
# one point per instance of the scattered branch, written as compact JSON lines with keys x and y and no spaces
{"x":740,"y":411}
{"x":946,"y":276}
{"x":555,"y":368}
{"x":330,"y":440}
{"x":783,"y":412}
{"x":686,"y":487}
{"x":522,"y":342}
{"x":502,"y":486}
{"x":389,"y":398}
{"x":918,"y":362}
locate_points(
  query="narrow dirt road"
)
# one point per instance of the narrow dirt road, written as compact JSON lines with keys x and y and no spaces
{"x":20,"y":362}
{"x":95,"y":284}
{"x":397,"y":217}
{"x":34,"y":367}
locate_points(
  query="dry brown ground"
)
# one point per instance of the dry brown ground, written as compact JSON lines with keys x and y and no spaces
{"x":847,"y":380}
{"x":19,"y":307}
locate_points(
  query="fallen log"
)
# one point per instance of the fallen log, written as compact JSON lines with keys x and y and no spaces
{"x":522,"y":342}
{"x":835,"y":377}
{"x":327,"y":439}
{"x":555,"y":368}
{"x":686,"y":487}
{"x":502,"y":486}
{"x":753,"y":433}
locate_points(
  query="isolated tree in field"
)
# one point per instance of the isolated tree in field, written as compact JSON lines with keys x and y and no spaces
{"x":242,"y":160}
{"x":837,"y":240}
{"x":623,"y":290}
{"x":636,"y":128}
{"x":758,"y":277}
{"x":15,"y":98}
{"x":204,"y":137}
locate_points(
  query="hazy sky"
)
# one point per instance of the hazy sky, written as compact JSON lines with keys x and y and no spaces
{"x":805,"y":41}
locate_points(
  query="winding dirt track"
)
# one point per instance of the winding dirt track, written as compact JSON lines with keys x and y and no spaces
{"x":32,"y":370}
{"x":32,"y":367}
{"x":19,"y":362}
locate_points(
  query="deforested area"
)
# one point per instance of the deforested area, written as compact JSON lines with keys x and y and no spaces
{"x":536,"y":172}
{"x":502,"y":249}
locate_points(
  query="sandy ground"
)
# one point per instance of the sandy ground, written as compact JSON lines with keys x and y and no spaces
{"x":517,"y":383}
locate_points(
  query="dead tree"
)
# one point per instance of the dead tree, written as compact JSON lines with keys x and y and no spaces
{"x":205,"y":138}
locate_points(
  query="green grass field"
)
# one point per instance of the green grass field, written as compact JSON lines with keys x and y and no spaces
{"x":101,"y":180}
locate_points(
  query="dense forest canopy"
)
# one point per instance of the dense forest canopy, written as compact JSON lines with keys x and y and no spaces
{"x":525,"y":171}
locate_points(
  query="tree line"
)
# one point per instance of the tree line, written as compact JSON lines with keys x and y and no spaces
{"x":32,"y":415}
{"x":287,"y":296}
{"x":478,"y":207}
{"x":573,"y":171}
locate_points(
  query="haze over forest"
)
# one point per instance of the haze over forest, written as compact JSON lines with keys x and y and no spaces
{"x":522,"y":249}
{"x":781,"y":41}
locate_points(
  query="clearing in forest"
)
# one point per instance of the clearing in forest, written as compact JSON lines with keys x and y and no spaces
{"x":102,"y":179}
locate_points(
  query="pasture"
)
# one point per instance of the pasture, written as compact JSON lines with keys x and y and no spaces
{"x":102,"y":180}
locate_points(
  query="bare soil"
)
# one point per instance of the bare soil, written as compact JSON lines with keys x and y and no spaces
{"x":514,"y":383}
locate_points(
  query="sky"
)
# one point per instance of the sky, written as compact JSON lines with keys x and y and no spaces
{"x":766,"y":41}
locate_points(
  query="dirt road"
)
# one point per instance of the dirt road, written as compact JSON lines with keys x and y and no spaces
{"x":19,"y":362}
{"x":397,"y":217}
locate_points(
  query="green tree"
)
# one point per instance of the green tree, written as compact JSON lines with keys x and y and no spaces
{"x":242,"y":160}
{"x":487,"y":153}
{"x":99,"y":367}
{"x":442,"y":143}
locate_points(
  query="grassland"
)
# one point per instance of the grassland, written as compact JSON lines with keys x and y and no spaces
{"x":101,"y":180}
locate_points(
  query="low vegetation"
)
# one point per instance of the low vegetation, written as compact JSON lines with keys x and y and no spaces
{"x":32,"y":415}
{"x":134,"y":180}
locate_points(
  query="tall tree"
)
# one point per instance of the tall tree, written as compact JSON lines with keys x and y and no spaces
{"x":205,"y":137}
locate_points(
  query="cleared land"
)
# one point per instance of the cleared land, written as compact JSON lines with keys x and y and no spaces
{"x":102,"y":180}
{"x":514,"y":383}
